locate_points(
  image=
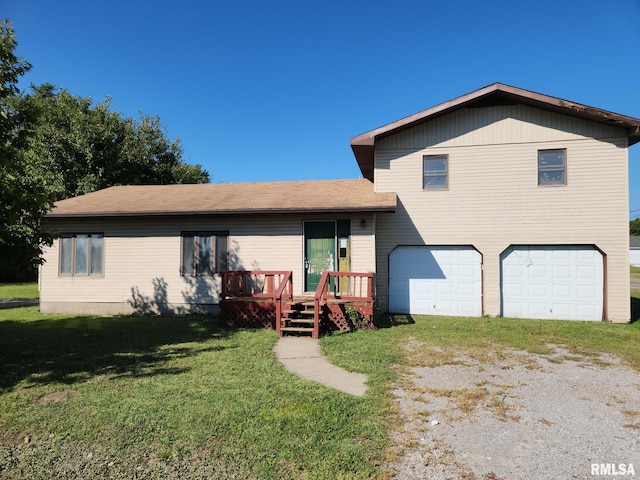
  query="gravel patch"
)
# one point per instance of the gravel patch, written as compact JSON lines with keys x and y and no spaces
{"x":518,"y":416}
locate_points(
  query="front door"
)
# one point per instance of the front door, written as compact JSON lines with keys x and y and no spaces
{"x":319,"y":251}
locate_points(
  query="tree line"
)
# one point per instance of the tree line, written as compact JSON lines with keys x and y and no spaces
{"x":55,"y":145}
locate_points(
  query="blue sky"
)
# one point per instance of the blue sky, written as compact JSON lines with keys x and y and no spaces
{"x":260,"y":91}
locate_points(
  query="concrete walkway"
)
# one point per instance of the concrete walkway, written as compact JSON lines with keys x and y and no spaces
{"x":301,"y":355}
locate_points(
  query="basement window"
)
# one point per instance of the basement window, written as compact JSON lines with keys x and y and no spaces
{"x":204,"y":253}
{"x":552,"y":167}
{"x":435,"y":172}
{"x":81,"y":254}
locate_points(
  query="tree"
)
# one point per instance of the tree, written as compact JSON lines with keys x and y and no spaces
{"x":634,"y":227}
{"x":91,"y":147}
{"x":55,"y":145}
{"x":19,"y":207}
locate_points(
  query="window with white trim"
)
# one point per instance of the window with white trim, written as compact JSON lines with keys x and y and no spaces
{"x":552,"y":167}
{"x":81,"y":254}
{"x":204,"y":253}
{"x":435,"y":171}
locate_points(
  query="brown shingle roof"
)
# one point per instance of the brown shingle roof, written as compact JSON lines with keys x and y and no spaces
{"x":232,"y":198}
{"x":491,"y":95}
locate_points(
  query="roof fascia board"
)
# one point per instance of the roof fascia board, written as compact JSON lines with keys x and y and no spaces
{"x":370,"y":209}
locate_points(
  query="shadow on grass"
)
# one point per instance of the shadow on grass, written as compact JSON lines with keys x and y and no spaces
{"x":75,"y":349}
{"x":389,"y":320}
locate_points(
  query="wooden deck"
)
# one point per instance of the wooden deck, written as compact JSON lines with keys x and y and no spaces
{"x":254,"y":299}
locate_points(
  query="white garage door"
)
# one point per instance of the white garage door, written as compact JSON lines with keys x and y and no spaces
{"x":552,"y":282}
{"x":435,"y":281}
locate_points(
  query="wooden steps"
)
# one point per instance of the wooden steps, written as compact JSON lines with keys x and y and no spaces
{"x":300,"y":320}
{"x":297,"y":329}
{"x":264,"y":299}
{"x":298,"y":317}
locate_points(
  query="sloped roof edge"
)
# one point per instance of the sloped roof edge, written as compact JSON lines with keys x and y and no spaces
{"x":363,"y":144}
{"x":311,"y":196}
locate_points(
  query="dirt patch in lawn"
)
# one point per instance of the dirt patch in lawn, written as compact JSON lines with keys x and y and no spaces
{"x":58,"y":397}
{"x":516,"y":415}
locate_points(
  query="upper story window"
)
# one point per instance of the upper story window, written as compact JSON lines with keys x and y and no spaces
{"x":82,"y":254}
{"x":552,"y":167}
{"x":204,"y":253}
{"x":435,"y":170}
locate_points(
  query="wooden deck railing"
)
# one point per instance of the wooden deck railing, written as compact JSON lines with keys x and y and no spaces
{"x":257,"y":284}
{"x":345,"y":286}
{"x":253,"y":295}
{"x":272,"y":285}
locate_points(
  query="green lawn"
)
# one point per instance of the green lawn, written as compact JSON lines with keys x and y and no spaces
{"x":170,"y":398}
{"x":18,"y":290}
{"x":158,"y":397}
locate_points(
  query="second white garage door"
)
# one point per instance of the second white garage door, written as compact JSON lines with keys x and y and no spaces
{"x":552,"y":282}
{"x":435,"y":281}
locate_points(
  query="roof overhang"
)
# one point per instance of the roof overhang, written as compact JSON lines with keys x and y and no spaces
{"x":260,"y":198}
{"x":493,"y":95}
{"x":255,"y":211}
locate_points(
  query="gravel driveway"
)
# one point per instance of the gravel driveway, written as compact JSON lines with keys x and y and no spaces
{"x":517,"y":415}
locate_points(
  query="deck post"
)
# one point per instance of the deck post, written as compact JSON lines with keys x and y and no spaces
{"x":278,"y":315}
{"x":316,"y":319}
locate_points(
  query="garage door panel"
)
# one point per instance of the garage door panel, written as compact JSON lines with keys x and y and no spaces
{"x":467,"y":271}
{"x":468,"y":255}
{"x":536,"y":272}
{"x":560,"y":273}
{"x":467,"y":308}
{"x":587,"y":274}
{"x":536,"y":290}
{"x":445,"y":289}
{"x":444,"y":306}
{"x":560,"y":255}
{"x":440,"y":280}
{"x":552,"y":282}
{"x":562,"y":292}
{"x":513,"y":309}
{"x":514,"y":292}
{"x":536,"y":309}
{"x":587,"y":312}
{"x":467,"y":289}
{"x":585,"y":292}
{"x":563,"y":310}
{"x":589,"y":256}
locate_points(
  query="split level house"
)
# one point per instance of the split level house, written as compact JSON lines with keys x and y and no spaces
{"x":501,"y":202}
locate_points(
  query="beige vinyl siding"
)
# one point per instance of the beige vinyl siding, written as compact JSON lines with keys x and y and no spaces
{"x":363,"y":245}
{"x":493,"y":199}
{"x":142,"y":260}
{"x":496,"y":125}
